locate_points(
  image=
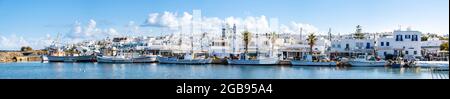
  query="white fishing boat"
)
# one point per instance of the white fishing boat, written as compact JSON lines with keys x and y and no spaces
{"x":308,"y":61}
{"x":187,"y":59}
{"x":145,"y":59}
{"x":90,"y":58}
{"x":367,"y":61}
{"x":114,"y":59}
{"x":127,"y":59}
{"x":260,"y":58}
{"x":265,"y":61}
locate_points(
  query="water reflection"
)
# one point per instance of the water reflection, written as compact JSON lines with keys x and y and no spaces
{"x":172,"y":71}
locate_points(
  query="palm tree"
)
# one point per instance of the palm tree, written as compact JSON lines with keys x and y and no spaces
{"x":247,"y":38}
{"x":311,"y":42}
{"x":273,"y":38}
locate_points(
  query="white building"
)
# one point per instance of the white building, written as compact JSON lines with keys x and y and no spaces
{"x":403,"y":43}
{"x":431,"y":46}
{"x":347,"y":47}
{"x":385,"y":45}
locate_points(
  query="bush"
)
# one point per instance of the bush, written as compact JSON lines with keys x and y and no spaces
{"x":26,"y":48}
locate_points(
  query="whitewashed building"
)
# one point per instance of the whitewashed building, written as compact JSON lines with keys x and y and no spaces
{"x":431,"y":46}
{"x":405,"y":43}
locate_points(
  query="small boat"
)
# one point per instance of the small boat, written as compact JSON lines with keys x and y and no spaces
{"x":187,"y":59}
{"x":268,"y":61}
{"x":145,"y":59}
{"x":124,"y":59}
{"x":367,"y":61}
{"x":308,"y":61}
{"x":114,"y":59}
{"x":44,"y":58}
{"x":398,"y":63}
{"x":258,"y":61}
{"x":90,"y":58}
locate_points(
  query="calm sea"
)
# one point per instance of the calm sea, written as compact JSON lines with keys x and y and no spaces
{"x":37,"y":70}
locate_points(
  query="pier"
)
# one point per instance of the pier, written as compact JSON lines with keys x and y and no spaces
{"x":439,"y":73}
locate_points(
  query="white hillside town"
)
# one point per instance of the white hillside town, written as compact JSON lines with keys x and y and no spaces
{"x":237,"y":44}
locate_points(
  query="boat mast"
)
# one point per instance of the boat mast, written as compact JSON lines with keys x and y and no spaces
{"x":234,"y":38}
{"x":301,"y":37}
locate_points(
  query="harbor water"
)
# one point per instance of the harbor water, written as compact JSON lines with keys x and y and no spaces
{"x":38,"y":70}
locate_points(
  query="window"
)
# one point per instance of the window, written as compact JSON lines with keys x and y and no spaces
{"x":382,"y":43}
{"x":406,"y":52}
{"x":397,"y":38}
{"x":384,"y":53}
{"x":415,"y":52}
{"x":414,"y":38}
{"x":347,"y":46}
{"x":407,"y":36}
{"x":401,"y":38}
{"x":368,"y":46}
{"x":333,"y":46}
{"x":339,"y":45}
{"x":387,"y":43}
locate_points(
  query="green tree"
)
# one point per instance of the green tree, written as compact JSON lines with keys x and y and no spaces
{"x":443,"y":38}
{"x":311,"y":42}
{"x":444,"y":46}
{"x":424,"y":37}
{"x":26,"y":48}
{"x":246,"y":38}
{"x":358,"y":34}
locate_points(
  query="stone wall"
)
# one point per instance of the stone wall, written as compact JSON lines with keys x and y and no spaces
{"x":13,"y":56}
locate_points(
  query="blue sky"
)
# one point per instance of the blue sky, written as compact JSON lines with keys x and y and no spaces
{"x":33,"y":19}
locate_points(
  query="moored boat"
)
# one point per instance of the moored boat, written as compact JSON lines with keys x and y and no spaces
{"x":114,"y":59}
{"x":308,"y":61}
{"x":367,"y":61}
{"x":267,"y":61}
{"x":187,"y":59}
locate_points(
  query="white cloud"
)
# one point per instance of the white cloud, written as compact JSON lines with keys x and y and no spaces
{"x":133,"y":28}
{"x":295,"y":27}
{"x":259,"y":24}
{"x":152,"y":18}
{"x":89,"y":32}
{"x":14,"y":42}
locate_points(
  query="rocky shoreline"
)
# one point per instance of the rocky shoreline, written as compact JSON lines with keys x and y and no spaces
{"x":19,"y":56}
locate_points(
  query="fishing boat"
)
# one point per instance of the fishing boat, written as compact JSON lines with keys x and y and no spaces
{"x":114,"y":59}
{"x":187,"y":59}
{"x":260,"y":61}
{"x":367,"y":61}
{"x":308,"y":61}
{"x":145,"y":59}
{"x":127,"y":59}
{"x":90,"y":58}
{"x":57,"y":55}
